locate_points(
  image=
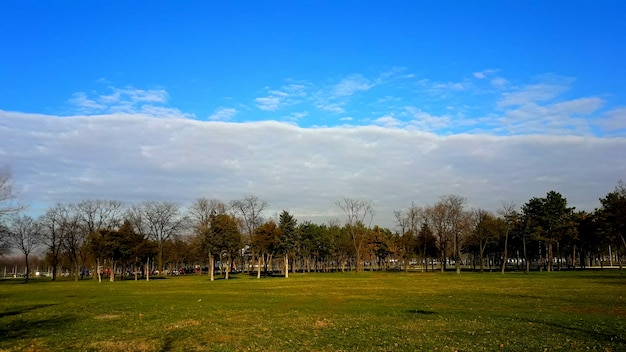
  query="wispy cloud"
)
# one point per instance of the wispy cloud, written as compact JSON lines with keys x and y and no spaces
{"x":351,"y":85}
{"x":287,"y":95}
{"x":614,"y":121}
{"x":532,"y":93}
{"x":126,"y":100}
{"x":223,"y":114}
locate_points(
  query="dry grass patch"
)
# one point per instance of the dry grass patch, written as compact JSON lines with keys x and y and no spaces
{"x":183,"y":324}
{"x":108,"y":317}
{"x":124,"y":346}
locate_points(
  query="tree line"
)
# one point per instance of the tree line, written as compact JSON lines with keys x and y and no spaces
{"x":109,"y":239}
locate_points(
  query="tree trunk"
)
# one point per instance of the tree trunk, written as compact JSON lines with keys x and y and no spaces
{"x":112,"y":276}
{"x":457,"y":254}
{"x":148,"y":269}
{"x":480,"y":257}
{"x":443,"y":260}
{"x":286,"y":266}
{"x":549,"y":257}
{"x":98,"y":270}
{"x":527,"y":270}
{"x":506,"y":252}
{"x":228,"y":265}
{"x":258,"y":272}
{"x":27,"y":268}
{"x":211,"y":266}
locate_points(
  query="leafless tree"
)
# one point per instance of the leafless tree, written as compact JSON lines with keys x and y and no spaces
{"x":357,"y":212}
{"x":8,"y":195}
{"x":507,"y":211}
{"x":55,"y":223}
{"x":447,"y":219}
{"x":25,"y":235}
{"x":250,"y":209}
{"x":201,"y":210}
{"x":250,"y":212}
{"x":99,"y":214}
{"x":158,"y":221}
{"x":201,"y":213}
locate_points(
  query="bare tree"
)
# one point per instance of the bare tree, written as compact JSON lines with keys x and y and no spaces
{"x":250,"y":211}
{"x":510,"y":218}
{"x":357,"y":212}
{"x":99,"y":214}
{"x":201,"y":213}
{"x":54,"y":223}
{"x":158,"y":221}
{"x":448,"y":219}
{"x":25,"y":235}
{"x":8,"y":195}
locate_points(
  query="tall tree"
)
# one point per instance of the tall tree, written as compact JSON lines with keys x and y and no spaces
{"x":26,"y":236}
{"x":485,"y":231}
{"x":97,"y":214}
{"x":225,"y":231}
{"x":357,"y":212}
{"x":612,"y":218}
{"x":510,"y":217}
{"x":201,"y":212}
{"x":289,"y":237}
{"x":250,"y":211}
{"x":265,"y":242}
{"x":447,"y":219}
{"x":158,"y":221}
{"x":55,"y":227}
{"x":547,"y":220}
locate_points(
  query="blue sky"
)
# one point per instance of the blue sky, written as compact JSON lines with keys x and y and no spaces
{"x":440,"y":70}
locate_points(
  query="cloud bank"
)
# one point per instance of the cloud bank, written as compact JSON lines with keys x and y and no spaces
{"x":133,"y":157}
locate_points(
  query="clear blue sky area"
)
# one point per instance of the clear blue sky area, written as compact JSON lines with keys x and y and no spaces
{"x":313,"y":63}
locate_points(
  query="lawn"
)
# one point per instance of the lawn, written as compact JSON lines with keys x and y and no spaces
{"x":377,"y":311}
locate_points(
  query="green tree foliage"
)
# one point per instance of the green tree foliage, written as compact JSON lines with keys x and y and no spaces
{"x":228,"y":239}
{"x":612,"y":215}
{"x":548,"y":220}
{"x":289,"y":237}
{"x":485,"y":234}
{"x":265,"y":242}
{"x":123,"y":247}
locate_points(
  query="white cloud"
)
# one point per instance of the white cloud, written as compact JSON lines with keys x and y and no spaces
{"x":270,"y":103}
{"x":299,"y":115}
{"x":499,"y":82}
{"x":614,"y":120}
{"x":351,"y":85}
{"x":134,"y":158}
{"x":289,"y":94}
{"x":532,"y":93}
{"x":388,"y":121}
{"x":126,"y":100}
{"x":484,"y":74}
{"x":566,"y":117}
{"x":335,"y":108}
{"x":424,"y":121}
{"x":223,"y":114}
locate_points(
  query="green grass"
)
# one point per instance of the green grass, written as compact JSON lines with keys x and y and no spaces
{"x":566,"y":311}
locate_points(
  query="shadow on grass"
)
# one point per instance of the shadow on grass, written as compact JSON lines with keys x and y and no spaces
{"x":23,"y":310}
{"x":604,"y":337}
{"x":420,"y":312}
{"x":20,"y":329}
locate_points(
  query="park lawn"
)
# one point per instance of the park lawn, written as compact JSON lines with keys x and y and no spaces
{"x":372,"y":311}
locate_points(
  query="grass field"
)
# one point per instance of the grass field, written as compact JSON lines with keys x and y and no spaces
{"x":378,"y":311}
